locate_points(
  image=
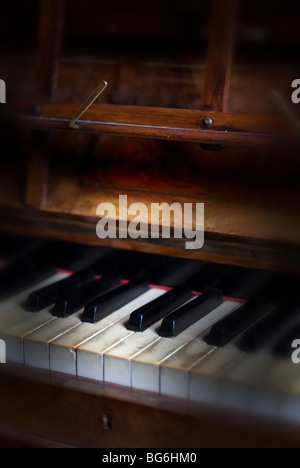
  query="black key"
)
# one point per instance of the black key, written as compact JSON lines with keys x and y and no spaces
{"x":237,"y":322}
{"x":110,"y":264}
{"x":244,"y":283}
{"x":20,"y":277}
{"x":190,"y":313}
{"x":39,"y":300}
{"x":284,"y":288}
{"x":77,"y":257}
{"x":266,"y":329}
{"x":114,"y":300}
{"x":209,"y":277}
{"x":172,"y":271}
{"x":70,"y":303}
{"x":129,"y":265}
{"x":147,"y":315}
{"x":283,"y":347}
{"x":20,"y":249}
{"x":259,"y":335}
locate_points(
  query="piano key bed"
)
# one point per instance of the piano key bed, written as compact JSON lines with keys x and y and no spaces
{"x":190,"y":345}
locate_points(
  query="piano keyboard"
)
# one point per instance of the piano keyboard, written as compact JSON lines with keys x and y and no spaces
{"x":207,"y":361}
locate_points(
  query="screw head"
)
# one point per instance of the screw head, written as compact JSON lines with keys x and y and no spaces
{"x":36,"y":111}
{"x":207,"y":122}
{"x":107,"y":422}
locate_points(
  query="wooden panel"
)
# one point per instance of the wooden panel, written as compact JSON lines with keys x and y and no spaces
{"x":217,"y":249}
{"x":219,"y":62}
{"x":172,"y":124}
{"x":37,"y":172}
{"x":50,"y":30}
{"x":86,"y":415}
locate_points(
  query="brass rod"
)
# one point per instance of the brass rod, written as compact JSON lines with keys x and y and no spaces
{"x":87,"y":103}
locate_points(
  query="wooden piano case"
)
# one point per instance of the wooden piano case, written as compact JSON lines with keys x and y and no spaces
{"x":197,"y":110}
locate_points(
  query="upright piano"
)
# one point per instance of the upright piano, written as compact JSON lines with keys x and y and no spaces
{"x":142,"y":342}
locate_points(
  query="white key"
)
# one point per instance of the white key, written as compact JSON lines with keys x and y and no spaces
{"x":174,"y":374}
{"x":117,"y":360}
{"x":63,"y":349}
{"x":37,"y":343}
{"x":239,"y":389}
{"x":261,"y":383}
{"x":13,"y":336}
{"x":204,"y":378}
{"x":147,"y":365}
{"x":248,"y":369}
{"x":290,"y":409}
{"x":90,"y":355}
{"x":279,"y":391}
{"x":16,"y":323}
